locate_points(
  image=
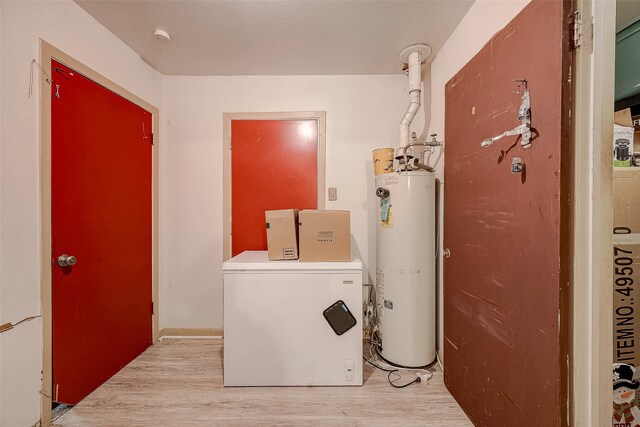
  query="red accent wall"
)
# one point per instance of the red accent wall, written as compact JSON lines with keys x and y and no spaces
{"x":274,"y":165}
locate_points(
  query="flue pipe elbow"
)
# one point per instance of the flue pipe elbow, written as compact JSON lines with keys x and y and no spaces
{"x":415,"y":89}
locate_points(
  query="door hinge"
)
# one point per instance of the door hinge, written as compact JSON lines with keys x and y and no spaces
{"x":153,"y":311}
{"x":582,"y":30}
{"x":153,"y":139}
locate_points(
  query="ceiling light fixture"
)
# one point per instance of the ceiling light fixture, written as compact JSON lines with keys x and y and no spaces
{"x":161,"y":34}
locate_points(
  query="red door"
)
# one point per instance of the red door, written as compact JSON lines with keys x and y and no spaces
{"x":506,"y":278}
{"x":101,"y":214}
{"x":274,"y":165}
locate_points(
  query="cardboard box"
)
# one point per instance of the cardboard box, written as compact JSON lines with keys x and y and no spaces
{"x":625,"y":282}
{"x":325,"y":235}
{"x":622,"y":146}
{"x":624,"y":118}
{"x":626,"y":294}
{"x":626,"y":266}
{"x":626,"y":138}
{"x":626,"y":200}
{"x":635,"y":122}
{"x":282,"y":234}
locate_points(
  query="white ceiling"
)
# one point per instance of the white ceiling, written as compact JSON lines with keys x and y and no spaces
{"x":278,"y":37}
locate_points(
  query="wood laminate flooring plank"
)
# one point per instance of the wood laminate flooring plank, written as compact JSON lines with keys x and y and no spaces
{"x":178,"y":382}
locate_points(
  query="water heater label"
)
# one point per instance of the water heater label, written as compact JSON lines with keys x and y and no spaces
{"x":390,"y":180}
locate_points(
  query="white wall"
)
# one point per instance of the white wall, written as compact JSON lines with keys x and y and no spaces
{"x":363,"y":113}
{"x":66,"y":26}
{"x":482,"y":21}
{"x":1,"y":317}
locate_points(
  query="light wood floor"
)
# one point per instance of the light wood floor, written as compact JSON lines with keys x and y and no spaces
{"x":179,"y":383}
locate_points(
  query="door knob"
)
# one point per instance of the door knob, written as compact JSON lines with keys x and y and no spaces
{"x":65,"y":260}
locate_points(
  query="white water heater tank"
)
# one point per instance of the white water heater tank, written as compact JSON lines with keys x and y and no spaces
{"x":406,"y":263}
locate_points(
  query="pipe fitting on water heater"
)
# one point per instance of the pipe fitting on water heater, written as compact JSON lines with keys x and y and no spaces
{"x":413,"y":56}
{"x":415,"y":91}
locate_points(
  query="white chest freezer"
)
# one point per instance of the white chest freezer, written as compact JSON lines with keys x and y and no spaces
{"x":275,"y":333}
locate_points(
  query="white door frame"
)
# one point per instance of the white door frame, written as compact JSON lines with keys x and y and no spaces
{"x":48,"y":52}
{"x":592,"y":294}
{"x":320,"y":116}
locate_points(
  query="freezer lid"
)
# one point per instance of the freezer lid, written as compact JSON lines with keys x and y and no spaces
{"x":258,"y":261}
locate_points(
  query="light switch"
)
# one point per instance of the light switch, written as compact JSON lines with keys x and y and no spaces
{"x":333,"y":194}
{"x":348,"y":369}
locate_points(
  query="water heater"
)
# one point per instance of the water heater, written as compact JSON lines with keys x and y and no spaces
{"x":406,"y":262}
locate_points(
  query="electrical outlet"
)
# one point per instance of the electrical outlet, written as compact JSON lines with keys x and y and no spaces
{"x":348,"y":370}
{"x":333,"y":194}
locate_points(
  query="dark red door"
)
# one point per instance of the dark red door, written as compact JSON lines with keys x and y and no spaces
{"x":101,"y":214}
{"x":274,"y":165}
{"x":506,"y":280}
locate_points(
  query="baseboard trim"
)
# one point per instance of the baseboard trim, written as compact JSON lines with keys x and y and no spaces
{"x":191,"y":333}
